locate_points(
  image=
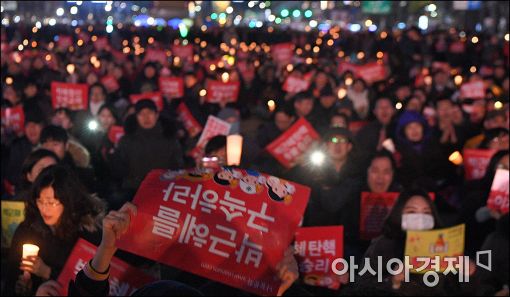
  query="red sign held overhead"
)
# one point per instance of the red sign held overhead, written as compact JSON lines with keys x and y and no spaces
{"x":189,"y":122}
{"x":172,"y":87}
{"x":72,"y":96}
{"x":317,"y":248}
{"x":13,"y":119}
{"x":476,"y":162}
{"x":154,"y":96}
{"x":293,"y":143}
{"x":229,"y":225}
{"x":124,"y":279}
{"x":110,"y":83}
{"x":295,"y":84}
{"x":225,"y":92}
{"x":214,"y":126}
{"x":473,"y":90}
{"x":371,"y":72}
{"x":374,"y":209}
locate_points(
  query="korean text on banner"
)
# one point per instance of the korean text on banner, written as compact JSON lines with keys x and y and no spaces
{"x":374,"y":209}
{"x":72,"y":96}
{"x":229,"y":225}
{"x":222,"y":92}
{"x":124,"y":279}
{"x":317,"y":248}
{"x":293,"y":143}
{"x":498,"y":197}
{"x":422,"y":246}
{"x":476,"y":162}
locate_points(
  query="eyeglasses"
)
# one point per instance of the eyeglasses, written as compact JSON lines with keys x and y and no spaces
{"x":50,"y":204}
{"x":339,"y":140}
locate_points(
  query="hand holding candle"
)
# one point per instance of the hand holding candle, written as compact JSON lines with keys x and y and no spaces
{"x":29,"y":250}
{"x":32,"y":263}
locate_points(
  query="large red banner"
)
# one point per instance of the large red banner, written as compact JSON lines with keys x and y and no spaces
{"x":473,"y":90}
{"x":371,"y":72}
{"x":154,"y":96}
{"x":190,"y":123}
{"x":295,"y":85}
{"x":124,"y":279}
{"x":317,"y":248}
{"x":72,"y":96}
{"x":229,"y":225}
{"x":476,"y":162}
{"x":374,"y":209}
{"x":171,"y":87}
{"x":218,"y":91}
{"x":13,"y":119}
{"x":498,"y":197}
{"x":293,"y":143}
{"x":282,"y":53}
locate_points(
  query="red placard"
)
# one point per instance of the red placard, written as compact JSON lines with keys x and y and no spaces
{"x":317,"y":248}
{"x":64,"y":41}
{"x":374,"y":209}
{"x":228,"y":225}
{"x":371,"y":72}
{"x":189,"y":122}
{"x":282,"y":53}
{"x":110,"y":83}
{"x":101,"y":43}
{"x":457,"y":47}
{"x":293,"y":143}
{"x":172,"y":87}
{"x":185,"y":52}
{"x":214,"y":126}
{"x":72,"y":96}
{"x":295,"y":85}
{"x":155,"y":55}
{"x":473,"y":90}
{"x":498,"y":197}
{"x":346,"y":66}
{"x":115,"y":134}
{"x":13,"y":119}
{"x":154,"y":96}
{"x":355,"y":126}
{"x":476,"y":162}
{"x":124,"y":279}
{"x":218,"y":91}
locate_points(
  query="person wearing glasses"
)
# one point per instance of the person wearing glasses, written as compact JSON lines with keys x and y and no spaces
{"x":57,"y":213}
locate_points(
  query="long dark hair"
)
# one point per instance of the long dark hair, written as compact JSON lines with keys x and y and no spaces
{"x":81,"y":210}
{"x":393,"y":224}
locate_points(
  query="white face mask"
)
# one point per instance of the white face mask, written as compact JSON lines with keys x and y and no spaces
{"x":417,"y":222}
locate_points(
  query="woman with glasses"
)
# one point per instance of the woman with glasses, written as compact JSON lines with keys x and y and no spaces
{"x":57,"y":213}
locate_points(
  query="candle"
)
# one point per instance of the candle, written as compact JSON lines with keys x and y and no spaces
{"x":234,"y":149}
{"x":224,"y":77}
{"x":456,"y":158}
{"x":271,"y":105}
{"x":29,"y":250}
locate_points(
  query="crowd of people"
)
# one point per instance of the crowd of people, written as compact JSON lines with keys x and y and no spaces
{"x":70,"y":175}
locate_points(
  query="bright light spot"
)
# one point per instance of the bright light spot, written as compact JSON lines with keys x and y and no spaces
{"x":229,"y":10}
{"x":456,"y":158}
{"x":73,"y":10}
{"x":9,"y":80}
{"x":271,"y":105}
{"x":38,"y":25}
{"x":401,"y":26}
{"x":203,"y":28}
{"x":432,"y":7}
{"x":70,"y":68}
{"x":2,"y":9}
{"x":202,"y":93}
{"x":433,"y":14}
{"x":360,"y":55}
{"x":284,"y":13}
{"x":74,"y":23}
{"x":316,"y":49}
{"x":342,"y":93}
{"x":138,"y":23}
{"x":355,"y":27}
{"x":5,"y":21}
{"x":398,"y":105}
{"x":348,"y":81}
{"x":290,"y":67}
{"x":17,"y":19}
{"x":150,"y":21}
{"x":372,"y":28}
{"x":507,"y":38}
{"x":47,"y":58}
{"x":472,"y":69}
{"x":262,"y":5}
{"x":313,"y":23}
{"x":462,"y":34}
{"x":108,"y":8}
{"x":296,"y":13}
{"x":324,"y":5}
{"x":225,"y":77}
{"x":198,"y":8}
{"x":498,"y":105}
{"x":251,"y":4}
{"x":458,"y":80}
{"x":474,"y":40}
{"x":52,"y":22}
{"x":34,"y":43}
{"x":109,"y":29}
{"x":60,"y":11}
{"x":368,"y":23}
{"x":317,"y":158}
{"x":259,"y":24}
{"x":25,"y":42}
{"x":93,"y":125}
{"x":423,"y":22}
{"x":271,"y":18}
{"x":308,"y":13}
